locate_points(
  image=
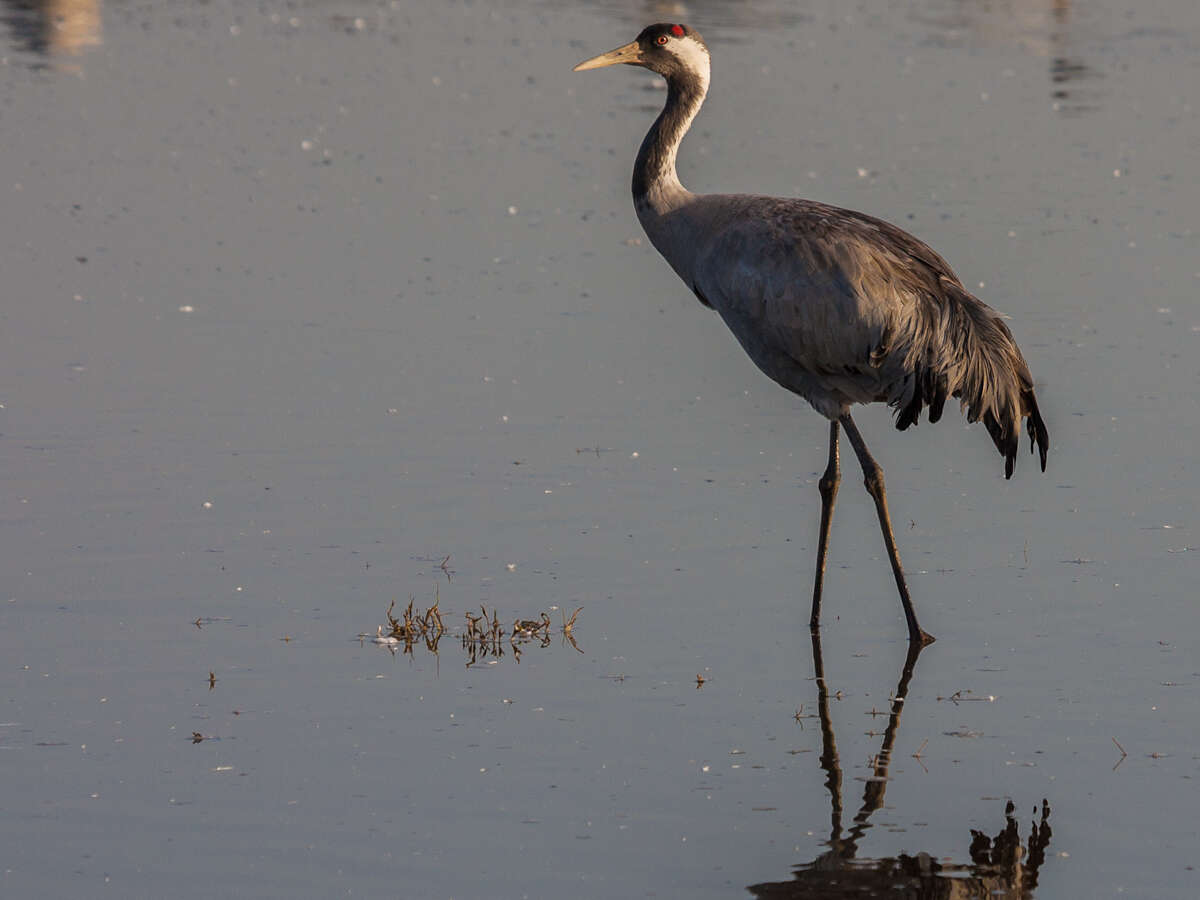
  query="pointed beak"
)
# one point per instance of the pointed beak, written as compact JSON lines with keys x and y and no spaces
{"x":630,"y":54}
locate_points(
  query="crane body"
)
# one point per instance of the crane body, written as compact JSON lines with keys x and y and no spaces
{"x":835,"y":305}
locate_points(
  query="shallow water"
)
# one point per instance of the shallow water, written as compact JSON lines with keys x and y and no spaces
{"x":313,"y":306}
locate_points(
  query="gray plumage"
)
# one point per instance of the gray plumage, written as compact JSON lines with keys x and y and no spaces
{"x":835,"y":305}
{"x":843,"y":308}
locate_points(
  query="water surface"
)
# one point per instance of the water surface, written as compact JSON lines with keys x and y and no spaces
{"x":310,"y":307}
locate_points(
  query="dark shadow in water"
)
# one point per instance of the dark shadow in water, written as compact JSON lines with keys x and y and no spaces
{"x":730,"y":20}
{"x":1043,"y":28}
{"x":1000,"y":865}
{"x":57,"y":30}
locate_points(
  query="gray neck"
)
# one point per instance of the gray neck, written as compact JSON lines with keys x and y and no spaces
{"x":656,"y":187}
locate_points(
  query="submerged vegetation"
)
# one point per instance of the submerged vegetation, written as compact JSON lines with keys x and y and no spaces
{"x":484,"y":636}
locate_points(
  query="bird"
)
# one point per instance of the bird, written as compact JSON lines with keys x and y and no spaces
{"x":837,"y":306}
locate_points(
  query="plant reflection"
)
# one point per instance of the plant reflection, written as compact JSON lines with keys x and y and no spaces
{"x":1000,"y":865}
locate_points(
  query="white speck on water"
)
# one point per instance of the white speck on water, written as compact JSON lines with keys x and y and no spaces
{"x":207,"y":504}
{"x":306,"y":145}
{"x":437,"y":81}
{"x":512,"y":210}
{"x":187,"y":308}
{"x":512,"y":567}
{"x":634,"y":455}
{"x":235,"y":30}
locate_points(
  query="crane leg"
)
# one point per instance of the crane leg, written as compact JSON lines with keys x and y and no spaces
{"x":873,"y":474}
{"x":828,"y":486}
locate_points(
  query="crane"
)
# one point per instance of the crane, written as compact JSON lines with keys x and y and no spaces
{"x":837,"y":306}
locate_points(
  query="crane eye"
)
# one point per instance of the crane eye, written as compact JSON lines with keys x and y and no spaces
{"x":662,"y":39}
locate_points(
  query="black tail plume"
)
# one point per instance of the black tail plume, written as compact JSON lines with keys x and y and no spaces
{"x":959,"y":346}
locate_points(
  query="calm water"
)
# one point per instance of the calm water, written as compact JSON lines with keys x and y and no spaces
{"x":314,"y":306}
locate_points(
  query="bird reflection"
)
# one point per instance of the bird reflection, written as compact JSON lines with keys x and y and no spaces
{"x":1002,"y":864}
{"x":60,"y":30}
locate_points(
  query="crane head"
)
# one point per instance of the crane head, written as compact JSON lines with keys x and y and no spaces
{"x":670,"y":50}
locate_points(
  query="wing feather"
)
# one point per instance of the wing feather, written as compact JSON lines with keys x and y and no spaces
{"x":844,"y":308}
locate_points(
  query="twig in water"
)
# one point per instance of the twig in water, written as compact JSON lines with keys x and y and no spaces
{"x":1123,"y":754}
